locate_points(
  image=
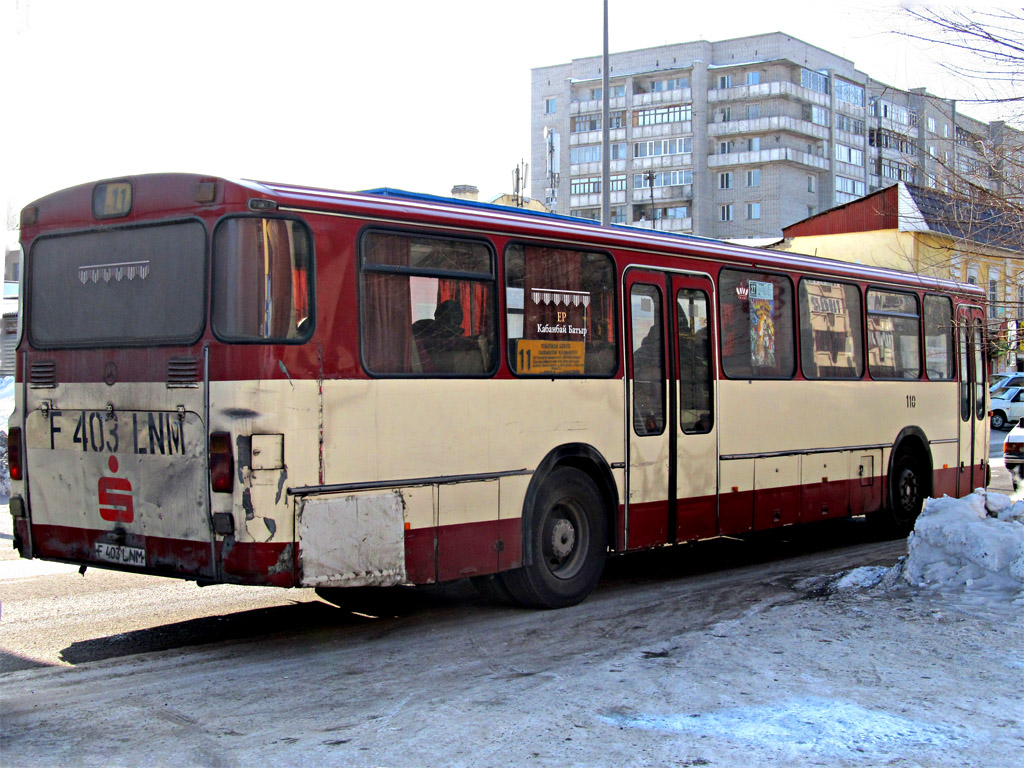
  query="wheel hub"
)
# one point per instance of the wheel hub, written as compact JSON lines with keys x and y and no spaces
{"x":563,"y":538}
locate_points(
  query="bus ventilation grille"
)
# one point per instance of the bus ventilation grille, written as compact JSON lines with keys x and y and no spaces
{"x":43,"y":374}
{"x":183,"y":372}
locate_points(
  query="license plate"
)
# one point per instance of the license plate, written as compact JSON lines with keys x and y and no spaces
{"x":158,"y":433}
{"x":114,"y":553}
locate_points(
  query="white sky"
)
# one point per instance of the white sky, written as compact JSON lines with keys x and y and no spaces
{"x":349,"y":95}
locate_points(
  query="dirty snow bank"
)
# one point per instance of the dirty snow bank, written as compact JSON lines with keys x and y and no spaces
{"x":973,"y":545}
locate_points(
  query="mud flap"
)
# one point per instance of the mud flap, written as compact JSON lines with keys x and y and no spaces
{"x":352,"y":541}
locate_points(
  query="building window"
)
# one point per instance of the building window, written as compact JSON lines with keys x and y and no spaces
{"x":549,"y":106}
{"x":663,"y":147}
{"x":815,"y":114}
{"x":725,"y":81}
{"x":585,"y":185}
{"x":618,"y":214}
{"x":725,"y":212}
{"x":931,"y":125}
{"x":725,"y":147}
{"x":581,"y":123}
{"x":753,"y":111}
{"x":814,"y":81}
{"x":845,"y":154}
{"x":993,"y":296}
{"x":845,"y":186}
{"x":588,"y":153}
{"x":753,"y":211}
{"x":660,"y":115}
{"x":849,"y":124}
{"x":754,"y":177}
{"x":754,"y":144}
{"x":672,"y":84}
{"x":812,"y":183}
{"x":618,"y":183}
{"x":725,"y":114}
{"x":753,"y":78}
{"x":725,"y":180}
{"x":663,"y":179}
{"x":810,"y":210}
{"x":849,"y":93}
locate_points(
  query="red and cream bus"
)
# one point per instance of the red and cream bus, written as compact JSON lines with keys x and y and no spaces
{"x":233,"y":381}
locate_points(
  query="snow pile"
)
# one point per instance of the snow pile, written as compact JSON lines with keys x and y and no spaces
{"x":975,"y":543}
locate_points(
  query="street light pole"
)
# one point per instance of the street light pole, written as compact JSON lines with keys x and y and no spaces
{"x":606,"y":160}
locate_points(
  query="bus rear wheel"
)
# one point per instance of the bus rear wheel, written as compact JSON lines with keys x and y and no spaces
{"x":568,"y":538}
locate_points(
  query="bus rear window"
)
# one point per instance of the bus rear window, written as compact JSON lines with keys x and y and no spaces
{"x":115,"y":288}
{"x":262,"y":286}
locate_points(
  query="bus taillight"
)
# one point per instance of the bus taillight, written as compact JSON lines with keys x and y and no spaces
{"x":14,"y":453}
{"x":222,"y":463}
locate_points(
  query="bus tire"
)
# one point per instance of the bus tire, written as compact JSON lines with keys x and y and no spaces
{"x":567,"y":531}
{"x":907,"y":491}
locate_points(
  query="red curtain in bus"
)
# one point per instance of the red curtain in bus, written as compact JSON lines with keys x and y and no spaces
{"x":387,"y":307}
{"x":474,"y":299}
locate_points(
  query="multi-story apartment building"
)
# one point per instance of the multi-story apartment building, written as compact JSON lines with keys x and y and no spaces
{"x":738,"y":138}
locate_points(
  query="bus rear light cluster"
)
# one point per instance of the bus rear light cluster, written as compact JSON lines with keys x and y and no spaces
{"x":14,"y":453}
{"x":222,"y":463}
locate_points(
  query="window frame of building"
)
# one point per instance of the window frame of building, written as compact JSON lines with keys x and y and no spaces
{"x":753,"y":211}
{"x":550,"y":106}
{"x":725,"y":180}
{"x":724,"y":82}
{"x":676,"y":113}
{"x":754,"y":77}
{"x":754,"y":177}
{"x":725,"y":212}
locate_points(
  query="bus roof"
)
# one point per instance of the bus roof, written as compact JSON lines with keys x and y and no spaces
{"x":158,"y":193}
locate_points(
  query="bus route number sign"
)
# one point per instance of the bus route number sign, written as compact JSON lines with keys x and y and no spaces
{"x":536,"y":356}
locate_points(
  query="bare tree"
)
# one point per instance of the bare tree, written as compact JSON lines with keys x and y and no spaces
{"x":975,"y":192}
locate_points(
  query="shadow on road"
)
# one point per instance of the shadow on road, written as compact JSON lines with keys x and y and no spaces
{"x":384,"y":609}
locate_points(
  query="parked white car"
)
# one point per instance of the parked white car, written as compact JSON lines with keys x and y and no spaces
{"x":1013,"y":454}
{"x":1005,"y":381}
{"x":1008,"y":408}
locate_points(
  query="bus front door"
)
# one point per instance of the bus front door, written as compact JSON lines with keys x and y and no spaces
{"x":672,"y":445}
{"x":973,"y":402}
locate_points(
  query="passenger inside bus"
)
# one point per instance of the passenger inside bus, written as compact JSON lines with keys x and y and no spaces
{"x":441,"y":344}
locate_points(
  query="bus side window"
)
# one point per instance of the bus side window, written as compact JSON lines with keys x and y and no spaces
{"x":427,"y":305}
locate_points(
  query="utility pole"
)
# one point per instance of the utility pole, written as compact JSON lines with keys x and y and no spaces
{"x":606,"y":159}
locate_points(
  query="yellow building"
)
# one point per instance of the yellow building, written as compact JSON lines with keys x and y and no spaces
{"x":920,"y":230}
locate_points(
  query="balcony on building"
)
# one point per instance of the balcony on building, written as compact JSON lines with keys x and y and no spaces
{"x":768,"y":90}
{"x":768,"y":124}
{"x":776,"y":155}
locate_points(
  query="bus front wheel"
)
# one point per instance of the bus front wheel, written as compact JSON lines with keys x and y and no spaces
{"x":568,"y":538}
{"x":907,"y":491}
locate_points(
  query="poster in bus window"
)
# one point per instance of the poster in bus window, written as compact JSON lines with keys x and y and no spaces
{"x":762,"y":326}
{"x":556,"y":327}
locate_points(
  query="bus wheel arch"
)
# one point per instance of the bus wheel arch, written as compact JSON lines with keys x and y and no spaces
{"x":568,"y":524}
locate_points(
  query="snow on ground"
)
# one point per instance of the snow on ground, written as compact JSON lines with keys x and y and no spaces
{"x":6,"y":400}
{"x":973,"y":545}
